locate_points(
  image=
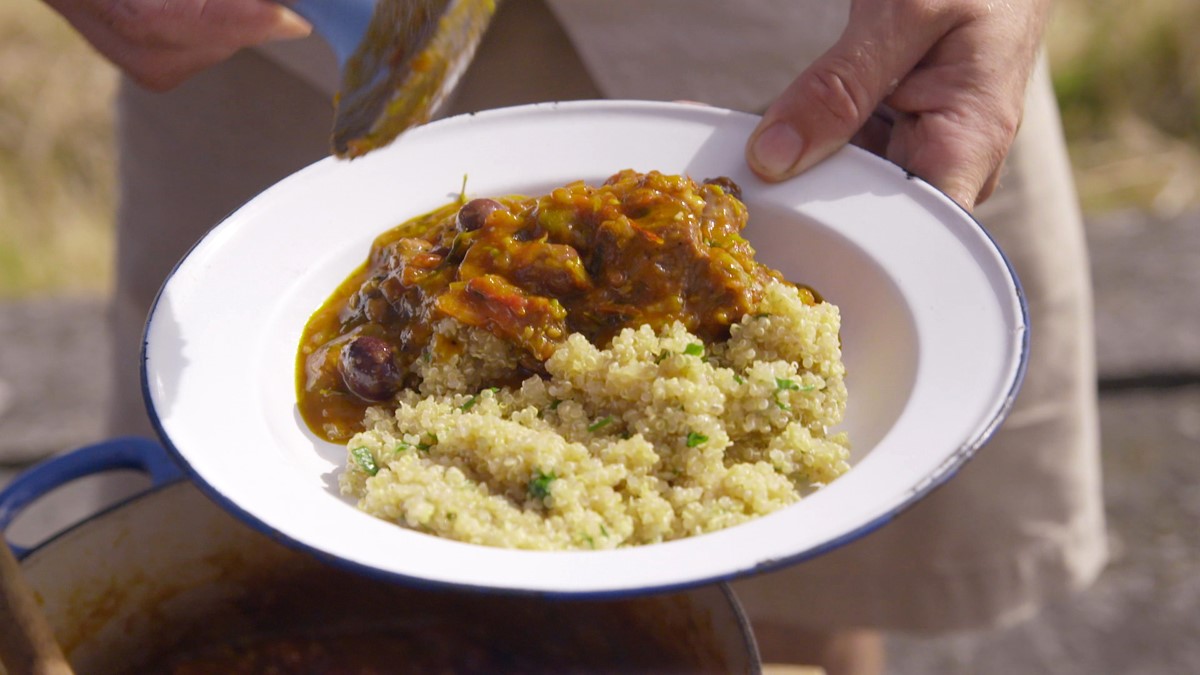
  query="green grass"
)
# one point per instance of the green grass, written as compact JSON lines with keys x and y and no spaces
{"x":1127,"y":75}
{"x":56,"y":157}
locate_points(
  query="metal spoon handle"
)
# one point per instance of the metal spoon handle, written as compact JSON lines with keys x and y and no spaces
{"x":399,"y":59}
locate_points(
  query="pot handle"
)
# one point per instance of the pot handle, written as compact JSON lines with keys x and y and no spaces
{"x":128,"y":452}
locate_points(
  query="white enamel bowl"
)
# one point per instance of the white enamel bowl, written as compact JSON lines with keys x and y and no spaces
{"x":934,"y":331}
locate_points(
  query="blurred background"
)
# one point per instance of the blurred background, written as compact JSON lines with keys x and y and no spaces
{"x":1128,"y":80}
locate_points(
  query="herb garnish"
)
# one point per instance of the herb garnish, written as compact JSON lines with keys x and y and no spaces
{"x":425,"y":446}
{"x":782,"y":384}
{"x":362,"y":456}
{"x":475,"y":399}
{"x":694,"y":439}
{"x":539,"y":485}
{"x":600,"y":423}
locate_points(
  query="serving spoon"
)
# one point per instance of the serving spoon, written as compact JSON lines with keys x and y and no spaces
{"x":398,"y":61}
{"x":27,"y":642}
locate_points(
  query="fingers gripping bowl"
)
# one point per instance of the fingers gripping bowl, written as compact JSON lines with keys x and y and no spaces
{"x":933,"y":336}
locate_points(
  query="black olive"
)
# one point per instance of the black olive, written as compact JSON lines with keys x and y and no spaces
{"x":727,"y":185}
{"x":474,"y":214}
{"x":369,"y":370}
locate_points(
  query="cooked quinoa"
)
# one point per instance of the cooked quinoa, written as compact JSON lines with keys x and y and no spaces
{"x":655,"y":437}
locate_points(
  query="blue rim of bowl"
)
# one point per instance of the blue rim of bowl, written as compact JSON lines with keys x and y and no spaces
{"x":953,"y":463}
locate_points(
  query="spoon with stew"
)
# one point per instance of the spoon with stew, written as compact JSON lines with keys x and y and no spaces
{"x":398,"y":59}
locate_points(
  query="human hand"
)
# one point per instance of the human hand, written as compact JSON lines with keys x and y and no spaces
{"x":161,"y":43}
{"x":936,"y":86}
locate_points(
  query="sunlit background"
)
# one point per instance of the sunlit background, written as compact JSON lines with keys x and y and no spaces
{"x":1128,"y":80}
{"x":1127,"y":73}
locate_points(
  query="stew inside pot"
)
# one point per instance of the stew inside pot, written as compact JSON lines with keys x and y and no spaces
{"x":321,"y":623}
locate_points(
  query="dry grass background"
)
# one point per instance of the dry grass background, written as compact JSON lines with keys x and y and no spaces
{"x":1127,"y":73}
{"x":1128,"y":81}
{"x":56,"y":156}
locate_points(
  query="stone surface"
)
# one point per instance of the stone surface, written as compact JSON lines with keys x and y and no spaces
{"x":53,"y":376}
{"x":1146,"y":275}
{"x":1143,"y":613}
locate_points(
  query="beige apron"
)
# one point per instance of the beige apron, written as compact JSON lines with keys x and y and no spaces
{"x":1021,"y":525}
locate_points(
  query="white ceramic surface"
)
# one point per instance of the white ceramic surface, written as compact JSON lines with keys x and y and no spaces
{"x":933,"y":330}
